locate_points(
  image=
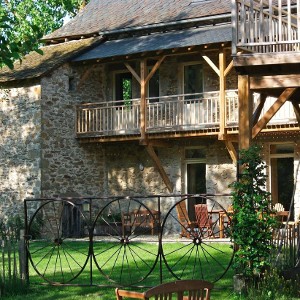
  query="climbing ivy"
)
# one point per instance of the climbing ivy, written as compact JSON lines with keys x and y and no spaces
{"x":253,"y":219}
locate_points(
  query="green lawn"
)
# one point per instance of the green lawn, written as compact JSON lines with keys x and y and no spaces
{"x":117,"y":264}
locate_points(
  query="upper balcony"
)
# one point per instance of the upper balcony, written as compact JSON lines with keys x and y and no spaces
{"x":169,"y":116}
{"x":265,"y":30}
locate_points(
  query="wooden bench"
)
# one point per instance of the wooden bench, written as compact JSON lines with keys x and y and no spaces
{"x":137,"y":219}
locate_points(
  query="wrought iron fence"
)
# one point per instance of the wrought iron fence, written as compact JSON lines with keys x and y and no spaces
{"x":128,"y":240}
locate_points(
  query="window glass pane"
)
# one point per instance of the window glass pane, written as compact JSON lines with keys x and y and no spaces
{"x":193,"y":79}
{"x":153,"y":88}
{"x":285,"y":148}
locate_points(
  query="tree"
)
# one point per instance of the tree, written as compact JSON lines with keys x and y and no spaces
{"x":24,"y":22}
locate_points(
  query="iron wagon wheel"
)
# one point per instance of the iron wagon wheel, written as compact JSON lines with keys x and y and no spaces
{"x":54,"y":250}
{"x":125,"y":241}
{"x":197,"y":247}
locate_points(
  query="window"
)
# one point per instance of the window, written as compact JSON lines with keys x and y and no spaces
{"x":72,"y":84}
{"x":282,"y":174}
{"x":153,"y":88}
{"x":193,"y":79}
{"x":123,"y":88}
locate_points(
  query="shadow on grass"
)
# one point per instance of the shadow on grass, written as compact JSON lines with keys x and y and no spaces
{"x":128,"y":265}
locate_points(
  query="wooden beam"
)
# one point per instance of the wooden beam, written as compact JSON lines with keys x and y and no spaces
{"x":155,"y":68}
{"x":260,"y":59}
{"x":259,"y":108}
{"x":245,"y":111}
{"x":232,"y":151}
{"x":159,"y":167}
{"x":274,"y":81}
{"x":132,"y":71}
{"x":211,"y":63}
{"x":297,"y":111}
{"x":285,"y":95}
{"x":228,"y":68}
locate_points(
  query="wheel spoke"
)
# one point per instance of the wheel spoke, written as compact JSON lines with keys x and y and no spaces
{"x":124,"y":259}
{"x":53,"y":257}
{"x":189,"y":257}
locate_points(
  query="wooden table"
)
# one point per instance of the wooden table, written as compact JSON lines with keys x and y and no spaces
{"x":282,"y":216}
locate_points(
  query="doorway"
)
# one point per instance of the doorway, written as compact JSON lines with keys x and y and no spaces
{"x":195,"y":177}
{"x":282,"y":174}
{"x":196,"y":184}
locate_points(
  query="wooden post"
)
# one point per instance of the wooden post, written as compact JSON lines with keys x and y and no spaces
{"x":24,"y":272}
{"x":143,"y":102}
{"x":245,"y":112}
{"x":222,"y":98}
{"x":234,"y":25}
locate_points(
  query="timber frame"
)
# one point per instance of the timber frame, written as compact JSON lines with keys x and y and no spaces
{"x":270,"y":68}
{"x":149,"y":140}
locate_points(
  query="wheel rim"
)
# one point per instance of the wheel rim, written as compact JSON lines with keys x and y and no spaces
{"x":124,"y":257}
{"x":51,"y":246}
{"x":197,"y":255}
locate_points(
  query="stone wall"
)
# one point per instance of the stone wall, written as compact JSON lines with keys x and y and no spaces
{"x":20,"y":133}
{"x":220,"y":172}
{"x":68,"y":167}
{"x":131,"y":171}
{"x":56,"y":163}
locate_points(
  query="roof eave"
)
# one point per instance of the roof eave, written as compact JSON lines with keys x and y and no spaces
{"x":212,"y":20}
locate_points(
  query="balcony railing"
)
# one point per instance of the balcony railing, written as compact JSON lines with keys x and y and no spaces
{"x":166,"y":114}
{"x":263,"y":27}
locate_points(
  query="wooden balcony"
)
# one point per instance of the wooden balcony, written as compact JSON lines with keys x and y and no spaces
{"x":266,"y":56}
{"x":168,"y":116}
{"x":268,"y":28}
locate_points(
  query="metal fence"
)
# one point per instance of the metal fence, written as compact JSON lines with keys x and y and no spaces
{"x":125,"y":241}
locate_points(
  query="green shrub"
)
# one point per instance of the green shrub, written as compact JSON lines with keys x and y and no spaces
{"x":252,"y":221}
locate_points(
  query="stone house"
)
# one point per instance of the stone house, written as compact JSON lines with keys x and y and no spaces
{"x":136,"y":98}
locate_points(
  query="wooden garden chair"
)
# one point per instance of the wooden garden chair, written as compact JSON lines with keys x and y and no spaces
{"x":278,"y":207}
{"x":177,"y":290}
{"x":186,"y":225}
{"x":204,"y":220}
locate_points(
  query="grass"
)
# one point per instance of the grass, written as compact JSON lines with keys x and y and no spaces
{"x":124,"y":265}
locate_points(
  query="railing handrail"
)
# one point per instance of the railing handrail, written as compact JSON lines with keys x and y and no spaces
{"x":265,"y":11}
{"x":114,"y":103}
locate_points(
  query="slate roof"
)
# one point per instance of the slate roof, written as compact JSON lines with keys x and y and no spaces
{"x":108,"y":15}
{"x":159,"y":41}
{"x":34,"y":64}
